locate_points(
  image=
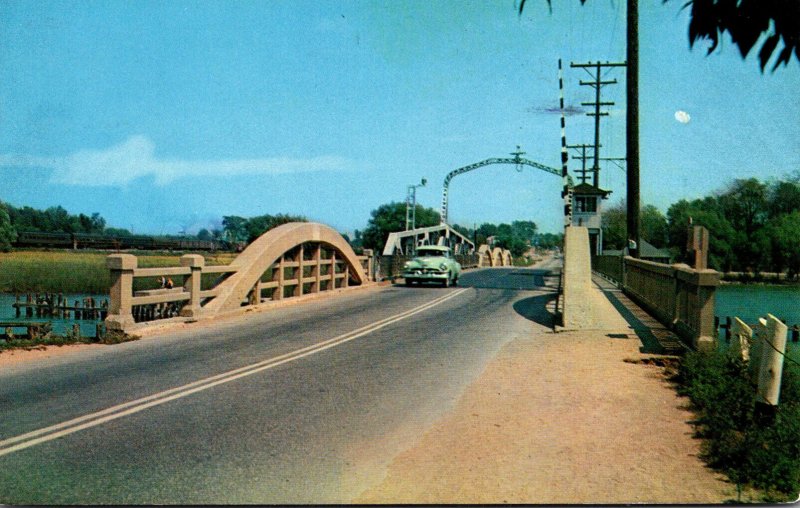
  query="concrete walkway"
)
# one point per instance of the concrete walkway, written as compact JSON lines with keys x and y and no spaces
{"x":572,"y":417}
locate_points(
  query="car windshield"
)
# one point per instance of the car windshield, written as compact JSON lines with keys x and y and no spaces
{"x":432,"y":252}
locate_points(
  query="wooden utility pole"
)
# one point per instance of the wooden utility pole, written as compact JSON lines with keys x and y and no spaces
{"x":597,"y":83}
{"x":632,"y":129}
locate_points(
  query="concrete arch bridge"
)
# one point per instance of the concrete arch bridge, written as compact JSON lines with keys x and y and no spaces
{"x":289,"y":261}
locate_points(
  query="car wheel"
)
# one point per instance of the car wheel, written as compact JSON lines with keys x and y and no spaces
{"x":409,"y":283}
{"x":446,"y":282}
{"x":455,"y":281}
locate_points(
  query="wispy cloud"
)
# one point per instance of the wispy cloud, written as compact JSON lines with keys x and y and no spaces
{"x":135,"y":158}
{"x":569,"y":110}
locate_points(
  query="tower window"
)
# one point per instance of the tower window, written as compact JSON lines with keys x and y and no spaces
{"x":586,"y":204}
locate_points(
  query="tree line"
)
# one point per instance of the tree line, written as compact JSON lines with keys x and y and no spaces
{"x":517,"y":237}
{"x":754,"y":226}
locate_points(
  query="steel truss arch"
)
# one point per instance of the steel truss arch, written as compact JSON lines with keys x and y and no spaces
{"x":516,"y":160}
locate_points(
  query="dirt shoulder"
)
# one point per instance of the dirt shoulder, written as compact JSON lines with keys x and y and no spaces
{"x":559,"y":418}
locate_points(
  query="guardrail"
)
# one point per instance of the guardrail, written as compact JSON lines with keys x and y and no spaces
{"x":680,"y":297}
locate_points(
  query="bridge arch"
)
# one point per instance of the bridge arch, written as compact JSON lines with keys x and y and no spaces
{"x":269,"y":248}
{"x":517,"y":160}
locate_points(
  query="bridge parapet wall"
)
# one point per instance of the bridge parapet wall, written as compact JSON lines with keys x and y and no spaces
{"x":313,"y":259}
{"x":677,"y":295}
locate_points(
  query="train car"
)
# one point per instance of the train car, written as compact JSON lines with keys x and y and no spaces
{"x":102,"y":242}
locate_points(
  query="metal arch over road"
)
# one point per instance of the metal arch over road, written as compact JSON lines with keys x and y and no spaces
{"x":517,"y":160}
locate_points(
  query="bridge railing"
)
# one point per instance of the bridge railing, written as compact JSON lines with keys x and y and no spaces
{"x":310,"y":268}
{"x":679,"y":296}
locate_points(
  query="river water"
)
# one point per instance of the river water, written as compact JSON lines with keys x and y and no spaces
{"x":88,"y":327}
{"x":748,"y":302}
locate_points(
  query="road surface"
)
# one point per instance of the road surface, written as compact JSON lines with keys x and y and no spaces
{"x":302,"y":404}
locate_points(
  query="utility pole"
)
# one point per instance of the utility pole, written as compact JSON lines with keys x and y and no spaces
{"x":583,"y":157}
{"x":597,"y":83}
{"x":632,"y":128}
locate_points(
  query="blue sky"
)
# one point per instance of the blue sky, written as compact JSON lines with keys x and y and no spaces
{"x":164,"y":116}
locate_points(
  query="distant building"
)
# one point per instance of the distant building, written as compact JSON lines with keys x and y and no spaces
{"x":647,"y":252}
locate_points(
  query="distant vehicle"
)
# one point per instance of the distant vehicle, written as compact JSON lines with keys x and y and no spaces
{"x":433,"y":263}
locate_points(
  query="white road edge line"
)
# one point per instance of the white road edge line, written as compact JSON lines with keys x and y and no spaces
{"x":112,"y":413}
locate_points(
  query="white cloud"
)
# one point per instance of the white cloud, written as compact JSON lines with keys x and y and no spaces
{"x":682,"y":116}
{"x":135,"y":158}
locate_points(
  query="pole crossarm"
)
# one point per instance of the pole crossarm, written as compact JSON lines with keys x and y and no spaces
{"x":516,"y":160}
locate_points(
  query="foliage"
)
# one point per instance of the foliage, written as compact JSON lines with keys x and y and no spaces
{"x":753,"y":226}
{"x":749,"y":448}
{"x":652,"y":223}
{"x":31,"y":271}
{"x":548,"y":240}
{"x":245,"y":230}
{"x":7,"y":232}
{"x":391,"y":218}
{"x":745,"y":21}
{"x":55,"y":220}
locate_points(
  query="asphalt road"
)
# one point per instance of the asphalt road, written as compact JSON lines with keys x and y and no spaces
{"x":303,"y":404}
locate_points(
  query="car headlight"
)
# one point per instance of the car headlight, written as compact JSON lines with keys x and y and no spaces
{"x":443,"y":267}
{"x":407,"y":265}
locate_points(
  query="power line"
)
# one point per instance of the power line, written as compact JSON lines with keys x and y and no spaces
{"x":597,"y":83}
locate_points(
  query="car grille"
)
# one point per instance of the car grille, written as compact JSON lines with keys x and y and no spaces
{"x":418,"y":271}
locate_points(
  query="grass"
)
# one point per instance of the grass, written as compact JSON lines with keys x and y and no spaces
{"x":49,"y":339}
{"x":30,"y":271}
{"x":759,"y":452}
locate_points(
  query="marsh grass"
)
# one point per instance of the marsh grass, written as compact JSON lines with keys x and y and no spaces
{"x":29,"y":271}
{"x":108,"y":338}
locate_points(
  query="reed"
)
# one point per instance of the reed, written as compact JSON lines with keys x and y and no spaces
{"x":75,"y":272}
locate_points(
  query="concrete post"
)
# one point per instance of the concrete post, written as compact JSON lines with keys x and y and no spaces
{"x":298,"y":290}
{"x":771,"y":368}
{"x":315,"y":288}
{"x":121,"y":294}
{"x":192,"y":284}
{"x":278,"y":294}
{"x":757,"y":348}
{"x":333,"y":271}
{"x":370,"y":263}
{"x":577,"y":309}
{"x":741,"y":337}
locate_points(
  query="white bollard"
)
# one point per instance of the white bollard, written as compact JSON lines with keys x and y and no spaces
{"x":771,"y":369}
{"x":741,"y":338}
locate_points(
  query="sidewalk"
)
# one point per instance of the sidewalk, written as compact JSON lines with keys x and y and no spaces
{"x":571,"y":417}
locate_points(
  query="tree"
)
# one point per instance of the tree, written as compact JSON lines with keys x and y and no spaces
{"x":614,"y":224}
{"x":257,"y":226}
{"x":390,"y":218}
{"x":653,"y":226}
{"x":785,"y":235}
{"x":783,"y":197}
{"x":703,"y":212}
{"x":8,"y":234}
{"x":235,"y":228}
{"x":549,"y":240}
{"x":746,"y":21}
{"x":524,"y":230}
{"x":204,"y":234}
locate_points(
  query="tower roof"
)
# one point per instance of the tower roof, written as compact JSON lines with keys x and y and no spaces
{"x":589,"y":189}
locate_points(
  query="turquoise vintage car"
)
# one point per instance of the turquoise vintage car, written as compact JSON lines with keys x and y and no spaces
{"x":433,"y":263}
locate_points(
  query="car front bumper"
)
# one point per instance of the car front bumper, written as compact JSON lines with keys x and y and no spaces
{"x":424,"y":275}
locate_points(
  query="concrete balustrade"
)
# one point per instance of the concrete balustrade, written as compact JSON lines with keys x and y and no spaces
{"x":288,"y":261}
{"x":677,"y":295}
